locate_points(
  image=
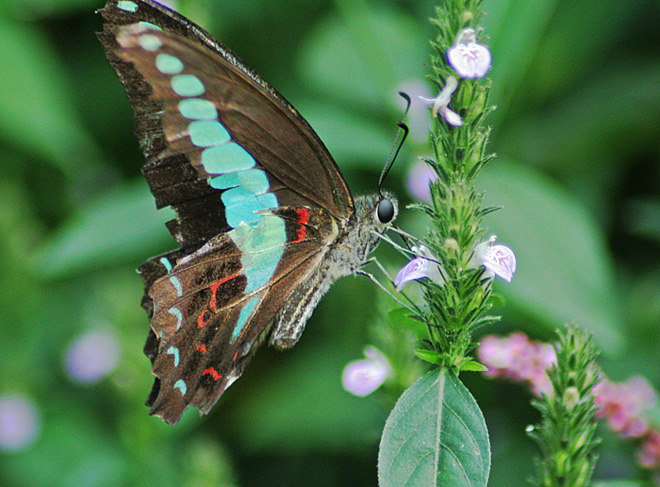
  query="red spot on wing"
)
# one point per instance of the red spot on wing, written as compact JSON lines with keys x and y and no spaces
{"x":201,"y":348}
{"x":201,"y":320}
{"x":214,"y":288}
{"x":213,"y":373}
{"x":303,"y":219}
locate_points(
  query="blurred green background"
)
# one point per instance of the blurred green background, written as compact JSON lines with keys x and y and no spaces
{"x":577,"y":131}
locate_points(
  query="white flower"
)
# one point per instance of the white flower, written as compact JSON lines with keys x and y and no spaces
{"x":468,"y":58}
{"x":441,"y":103}
{"x":362,"y":377}
{"x":424,"y":266}
{"x":497,"y":259}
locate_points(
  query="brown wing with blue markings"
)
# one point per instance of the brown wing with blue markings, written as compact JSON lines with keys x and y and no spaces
{"x":257,"y":196}
{"x":258,"y":119}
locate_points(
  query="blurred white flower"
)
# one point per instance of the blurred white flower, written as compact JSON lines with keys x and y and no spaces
{"x":362,"y":377}
{"x":418,"y":116}
{"x":419,"y":177}
{"x":92,"y":356}
{"x":20,"y":422}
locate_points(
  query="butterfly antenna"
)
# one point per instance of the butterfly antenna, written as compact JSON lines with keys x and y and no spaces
{"x":400,"y":138}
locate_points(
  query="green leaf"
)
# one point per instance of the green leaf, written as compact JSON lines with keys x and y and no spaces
{"x":116,"y":227}
{"x":435,"y":435}
{"x":473,"y":366}
{"x":36,"y":108}
{"x":515,"y":29}
{"x":357,"y":54}
{"x":428,"y":355}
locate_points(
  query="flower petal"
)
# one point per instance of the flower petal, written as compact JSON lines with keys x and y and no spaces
{"x":441,"y":103}
{"x":451,"y":117}
{"x":419,"y":268}
{"x":497,"y":259}
{"x":468,"y":58}
{"x":501,"y":260}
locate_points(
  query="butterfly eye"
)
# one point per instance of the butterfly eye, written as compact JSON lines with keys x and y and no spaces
{"x":385,"y":211}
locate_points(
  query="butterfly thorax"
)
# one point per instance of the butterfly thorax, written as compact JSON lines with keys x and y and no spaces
{"x":358,"y":237}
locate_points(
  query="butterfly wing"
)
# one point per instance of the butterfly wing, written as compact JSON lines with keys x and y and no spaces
{"x":256,"y":193}
{"x":258,"y":119}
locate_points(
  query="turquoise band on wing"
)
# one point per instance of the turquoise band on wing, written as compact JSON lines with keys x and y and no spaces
{"x":181,"y":385}
{"x":198,"y":109}
{"x":246,"y":195}
{"x":207,"y":133}
{"x":127,"y":6}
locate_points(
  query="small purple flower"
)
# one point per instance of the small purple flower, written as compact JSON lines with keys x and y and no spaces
{"x":419,"y":177}
{"x":92,"y":356}
{"x":468,"y":58}
{"x":497,"y":259}
{"x":424,"y":266}
{"x":362,"y":377}
{"x":441,"y":103}
{"x":20,"y":423}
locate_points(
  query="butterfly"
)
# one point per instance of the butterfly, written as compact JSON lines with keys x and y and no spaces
{"x":265,"y":221}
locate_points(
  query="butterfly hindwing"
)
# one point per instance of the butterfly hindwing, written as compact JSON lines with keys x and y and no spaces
{"x":205,"y":325}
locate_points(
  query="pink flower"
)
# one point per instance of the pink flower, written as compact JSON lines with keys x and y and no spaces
{"x":648,"y":455}
{"x":441,"y":103}
{"x":623,"y":405}
{"x":424,"y":266}
{"x":497,"y":259}
{"x":468,"y":58}
{"x":519,"y":359}
{"x":362,"y":377}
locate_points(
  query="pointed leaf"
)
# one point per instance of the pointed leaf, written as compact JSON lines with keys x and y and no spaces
{"x":430,"y":356}
{"x":473,"y":366}
{"x":435,"y":436}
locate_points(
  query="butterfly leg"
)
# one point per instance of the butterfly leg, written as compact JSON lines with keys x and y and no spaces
{"x":383,"y":288}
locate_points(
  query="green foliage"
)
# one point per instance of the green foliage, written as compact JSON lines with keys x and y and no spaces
{"x":576,"y":131}
{"x":435,"y":435}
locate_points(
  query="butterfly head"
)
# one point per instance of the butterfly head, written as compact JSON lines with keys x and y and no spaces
{"x":374,"y":214}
